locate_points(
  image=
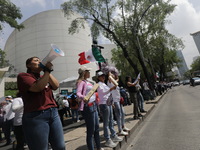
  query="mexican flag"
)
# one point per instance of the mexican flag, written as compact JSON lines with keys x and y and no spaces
{"x":92,"y":55}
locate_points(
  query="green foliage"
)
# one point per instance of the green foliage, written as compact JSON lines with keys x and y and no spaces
{"x":11,"y":92}
{"x":187,"y":74}
{"x":136,"y":27}
{"x":3,"y":62}
{"x":121,"y":63}
{"x":195,"y":65}
{"x":9,"y":13}
{"x":10,"y":85}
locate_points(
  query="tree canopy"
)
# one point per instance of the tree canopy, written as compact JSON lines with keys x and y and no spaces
{"x":195,"y":66}
{"x":137,"y":27}
{"x":9,"y":13}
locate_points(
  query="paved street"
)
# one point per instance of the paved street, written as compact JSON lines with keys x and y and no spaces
{"x":174,"y":124}
{"x":171,"y":124}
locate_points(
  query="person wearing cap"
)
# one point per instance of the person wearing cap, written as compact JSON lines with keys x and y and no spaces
{"x":104,"y":92}
{"x":41,"y":122}
{"x":8,"y":119}
{"x":89,"y":108}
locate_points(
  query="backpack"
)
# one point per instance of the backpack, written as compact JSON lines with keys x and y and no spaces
{"x":74,"y":102}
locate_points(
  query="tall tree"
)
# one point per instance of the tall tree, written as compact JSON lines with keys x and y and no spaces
{"x":195,"y":66}
{"x":127,"y":23}
{"x":9,"y":13}
{"x":161,"y":51}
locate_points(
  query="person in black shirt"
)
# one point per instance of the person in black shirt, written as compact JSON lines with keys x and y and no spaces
{"x":133,"y":95}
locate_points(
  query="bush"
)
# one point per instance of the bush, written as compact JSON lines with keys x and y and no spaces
{"x":10,"y":85}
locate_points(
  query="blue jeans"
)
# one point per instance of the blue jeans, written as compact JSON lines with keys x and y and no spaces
{"x":75,"y":112}
{"x":119,"y":113}
{"x":43,"y":127}
{"x":140,"y":101}
{"x":90,"y":115}
{"x":107,"y":116}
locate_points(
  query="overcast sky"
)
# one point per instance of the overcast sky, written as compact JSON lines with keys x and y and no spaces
{"x":184,"y":20}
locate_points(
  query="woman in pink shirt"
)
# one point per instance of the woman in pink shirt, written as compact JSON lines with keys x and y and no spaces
{"x":89,"y":108}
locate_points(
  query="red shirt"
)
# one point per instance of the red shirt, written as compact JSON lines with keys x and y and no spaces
{"x":34,"y":101}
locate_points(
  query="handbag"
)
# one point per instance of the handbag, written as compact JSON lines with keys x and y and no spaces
{"x":121,"y":100}
{"x":109,"y":101}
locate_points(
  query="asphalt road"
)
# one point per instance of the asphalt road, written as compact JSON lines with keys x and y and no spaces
{"x":174,"y":124}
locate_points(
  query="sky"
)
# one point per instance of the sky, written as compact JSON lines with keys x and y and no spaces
{"x":184,"y":21}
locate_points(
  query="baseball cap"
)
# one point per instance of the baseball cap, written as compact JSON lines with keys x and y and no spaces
{"x":8,"y":96}
{"x":83,"y":68}
{"x":100,"y":73}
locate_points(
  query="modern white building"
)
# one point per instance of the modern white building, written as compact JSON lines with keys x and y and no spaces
{"x":182,"y":65}
{"x":196,"y":37}
{"x":35,"y":39}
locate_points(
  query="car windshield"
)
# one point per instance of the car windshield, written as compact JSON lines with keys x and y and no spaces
{"x":196,"y":78}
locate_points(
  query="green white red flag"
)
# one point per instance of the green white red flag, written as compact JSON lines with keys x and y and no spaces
{"x":93,"y":55}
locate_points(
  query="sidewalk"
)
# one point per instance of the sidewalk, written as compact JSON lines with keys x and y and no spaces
{"x":75,"y":134}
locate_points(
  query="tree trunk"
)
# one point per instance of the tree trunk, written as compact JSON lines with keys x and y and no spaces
{"x":133,"y":65}
{"x":146,"y":73}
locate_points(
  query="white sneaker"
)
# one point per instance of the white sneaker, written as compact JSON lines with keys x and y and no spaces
{"x":117,"y":139}
{"x":123,"y":133}
{"x":114,"y":123}
{"x":126,"y":129}
{"x":110,"y":143}
{"x":78,"y":120}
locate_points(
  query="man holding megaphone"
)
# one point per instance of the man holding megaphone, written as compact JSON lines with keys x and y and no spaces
{"x":41,"y":122}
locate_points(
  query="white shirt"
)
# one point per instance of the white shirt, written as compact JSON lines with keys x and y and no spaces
{"x":103,"y":92}
{"x":66,"y":103}
{"x":146,"y":86}
{"x":115,"y":93}
{"x":18,"y":108}
{"x":9,"y":114}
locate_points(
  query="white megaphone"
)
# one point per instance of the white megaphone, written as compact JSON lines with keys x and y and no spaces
{"x":55,"y":52}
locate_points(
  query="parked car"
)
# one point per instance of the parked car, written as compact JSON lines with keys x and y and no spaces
{"x":176,"y":83}
{"x":185,"y":82}
{"x":196,"y":80}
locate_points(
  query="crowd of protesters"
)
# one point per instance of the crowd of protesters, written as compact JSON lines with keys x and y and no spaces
{"x":35,"y":110}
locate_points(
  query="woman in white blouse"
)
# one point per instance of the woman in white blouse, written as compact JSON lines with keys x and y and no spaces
{"x":106,"y":111}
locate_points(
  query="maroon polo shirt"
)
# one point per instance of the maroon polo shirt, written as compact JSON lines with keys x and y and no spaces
{"x":34,"y":101}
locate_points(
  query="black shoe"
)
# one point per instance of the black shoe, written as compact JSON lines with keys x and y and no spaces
{"x":135,"y":118}
{"x":143,"y":111}
{"x":140,"y":115}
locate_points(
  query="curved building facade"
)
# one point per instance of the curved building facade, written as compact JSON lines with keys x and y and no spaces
{"x":43,"y":29}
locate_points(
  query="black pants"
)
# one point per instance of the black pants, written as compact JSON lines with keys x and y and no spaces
{"x":67,"y":110}
{"x":133,"y":97}
{"x":19,"y":135}
{"x":61,"y":113}
{"x":7,"y":127}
